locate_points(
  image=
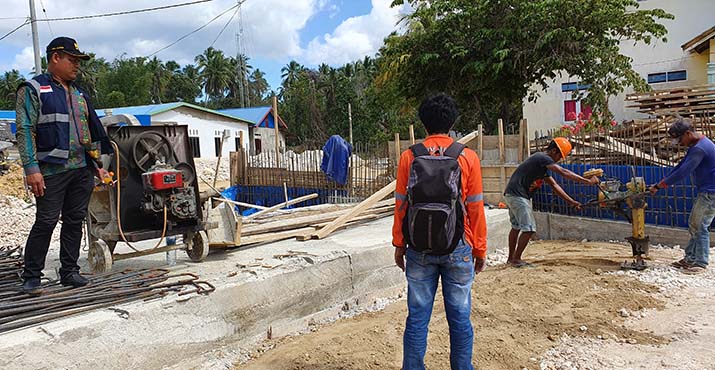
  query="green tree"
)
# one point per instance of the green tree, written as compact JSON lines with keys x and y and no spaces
{"x":291,"y":72}
{"x":257,"y":88}
{"x":489,"y":54}
{"x":216,"y":73}
{"x":9,"y":82}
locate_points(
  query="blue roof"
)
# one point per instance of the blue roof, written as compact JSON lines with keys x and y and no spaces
{"x":150,"y":110}
{"x":142,"y":109}
{"x":7,"y":114}
{"x":254,"y":114}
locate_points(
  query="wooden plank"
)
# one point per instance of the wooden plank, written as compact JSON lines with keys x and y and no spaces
{"x":480,"y":143}
{"x":397,"y":151}
{"x":382,"y":193}
{"x":248,"y":205}
{"x":282,"y":205}
{"x":412,"y":134}
{"x":272,"y":237}
{"x":616,"y":146}
{"x":520,"y":154}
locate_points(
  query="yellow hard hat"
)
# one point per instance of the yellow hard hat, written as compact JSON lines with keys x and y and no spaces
{"x":564,"y":146}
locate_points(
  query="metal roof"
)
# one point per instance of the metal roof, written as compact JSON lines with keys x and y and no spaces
{"x":155,"y":109}
{"x":254,"y":114}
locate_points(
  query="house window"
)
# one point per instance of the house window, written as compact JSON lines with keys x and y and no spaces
{"x":257,"y":144}
{"x":667,"y":76}
{"x":570,"y":110}
{"x":677,"y":76}
{"x":195,"y":147}
{"x":657,"y":77}
{"x":574,"y":86}
{"x":217,"y":145}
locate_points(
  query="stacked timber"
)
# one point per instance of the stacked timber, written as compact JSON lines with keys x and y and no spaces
{"x":637,"y":142}
{"x":686,"y":100}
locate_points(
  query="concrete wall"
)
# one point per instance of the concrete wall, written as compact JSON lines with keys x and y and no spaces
{"x":267,"y":136}
{"x":552,"y":227}
{"x":206,"y":127}
{"x":692,"y":17}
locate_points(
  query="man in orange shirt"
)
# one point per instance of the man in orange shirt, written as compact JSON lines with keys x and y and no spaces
{"x":424,"y":261}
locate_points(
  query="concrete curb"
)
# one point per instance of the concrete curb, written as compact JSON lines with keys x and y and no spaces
{"x":554,"y":226}
{"x":353,"y":268}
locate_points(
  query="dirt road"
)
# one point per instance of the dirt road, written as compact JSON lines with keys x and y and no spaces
{"x":573,"y":304}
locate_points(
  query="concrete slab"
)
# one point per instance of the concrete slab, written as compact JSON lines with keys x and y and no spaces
{"x":554,"y":227}
{"x":351,"y":268}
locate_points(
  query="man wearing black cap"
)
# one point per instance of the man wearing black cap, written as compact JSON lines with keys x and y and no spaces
{"x":700,"y":162}
{"x":59,"y":138}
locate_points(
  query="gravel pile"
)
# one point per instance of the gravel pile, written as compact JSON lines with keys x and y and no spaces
{"x":578,"y":353}
{"x":16,"y":222}
{"x":498,"y":257}
{"x":206,"y":167}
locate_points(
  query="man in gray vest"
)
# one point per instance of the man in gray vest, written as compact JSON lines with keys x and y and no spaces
{"x":59,"y":139}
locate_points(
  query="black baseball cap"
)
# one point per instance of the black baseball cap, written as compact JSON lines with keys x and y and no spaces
{"x":679,"y":128}
{"x":66,"y":45}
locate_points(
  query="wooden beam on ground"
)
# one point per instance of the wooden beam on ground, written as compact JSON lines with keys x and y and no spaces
{"x":367,"y":203}
{"x":284,"y":204}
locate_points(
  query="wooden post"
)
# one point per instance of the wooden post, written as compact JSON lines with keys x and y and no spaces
{"x":397,"y":151}
{"x":520,"y":155}
{"x":350,"y":122}
{"x":240,"y":140}
{"x":480,"y":141}
{"x":502,"y":170}
{"x":412,"y":134}
{"x":276,"y":124}
{"x":527,"y":142}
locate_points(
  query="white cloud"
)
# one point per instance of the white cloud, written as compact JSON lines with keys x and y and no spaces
{"x":356,"y":37}
{"x":271,"y":27}
{"x":24,"y":61}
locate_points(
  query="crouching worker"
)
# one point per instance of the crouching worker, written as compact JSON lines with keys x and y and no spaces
{"x":526,"y":180}
{"x":439,"y":233}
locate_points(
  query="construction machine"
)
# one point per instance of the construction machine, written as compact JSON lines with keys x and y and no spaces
{"x":629,"y":201}
{"x":155,"y":194}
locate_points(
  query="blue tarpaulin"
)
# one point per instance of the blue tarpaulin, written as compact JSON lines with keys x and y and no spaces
{"x":336,"y":157}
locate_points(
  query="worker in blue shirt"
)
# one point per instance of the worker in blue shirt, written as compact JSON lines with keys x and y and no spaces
{"x":700,"y":162}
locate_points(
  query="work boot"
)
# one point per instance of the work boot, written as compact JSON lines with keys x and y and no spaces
{"x":32,"y":286}
{"x":74,"y":279}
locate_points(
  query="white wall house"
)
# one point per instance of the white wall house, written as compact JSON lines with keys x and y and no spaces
{"x":683,"y":60}
{"x":206,"y":126}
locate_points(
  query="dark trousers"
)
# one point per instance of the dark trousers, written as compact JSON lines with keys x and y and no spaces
{"x":68,"y":194}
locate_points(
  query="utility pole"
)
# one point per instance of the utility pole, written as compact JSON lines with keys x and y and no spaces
{"x":35,"y":38}
{"x":350,"y":121}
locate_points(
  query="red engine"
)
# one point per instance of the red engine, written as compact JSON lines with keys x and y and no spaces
{"x":163,"y":179}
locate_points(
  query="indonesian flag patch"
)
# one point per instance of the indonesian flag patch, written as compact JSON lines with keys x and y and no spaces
{"x":45,"y":89}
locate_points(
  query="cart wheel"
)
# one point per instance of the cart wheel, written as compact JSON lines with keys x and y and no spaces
{"x":99,"y":257}
{"x":197,"y":245}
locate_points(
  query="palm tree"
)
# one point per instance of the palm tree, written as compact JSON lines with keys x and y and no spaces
{"x":257,"y":87}
{"x":291,"y":72}
{"x":215,"y":72}
{"x":160,"y":77}
{"x":9,"y":82}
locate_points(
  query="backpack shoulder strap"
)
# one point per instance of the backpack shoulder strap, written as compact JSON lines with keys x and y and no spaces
{"x":419,"y":150}
{"x":454,"y":150}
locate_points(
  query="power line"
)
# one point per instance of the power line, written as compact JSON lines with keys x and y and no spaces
{"x":194,"y":31}
{"x":14,"y":30}
{"x":48,"y":23}
{"x":123,"y":12}
{"x":225,"y":26}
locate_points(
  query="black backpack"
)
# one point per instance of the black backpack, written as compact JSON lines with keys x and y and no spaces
{"x":434,"y":222}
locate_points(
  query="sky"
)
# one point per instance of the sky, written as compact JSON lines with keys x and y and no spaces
{"x":274,"y":31}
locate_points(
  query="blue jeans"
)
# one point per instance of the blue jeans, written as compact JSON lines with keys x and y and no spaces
{"x":701,"y":216}
{"x":423,"y":272}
